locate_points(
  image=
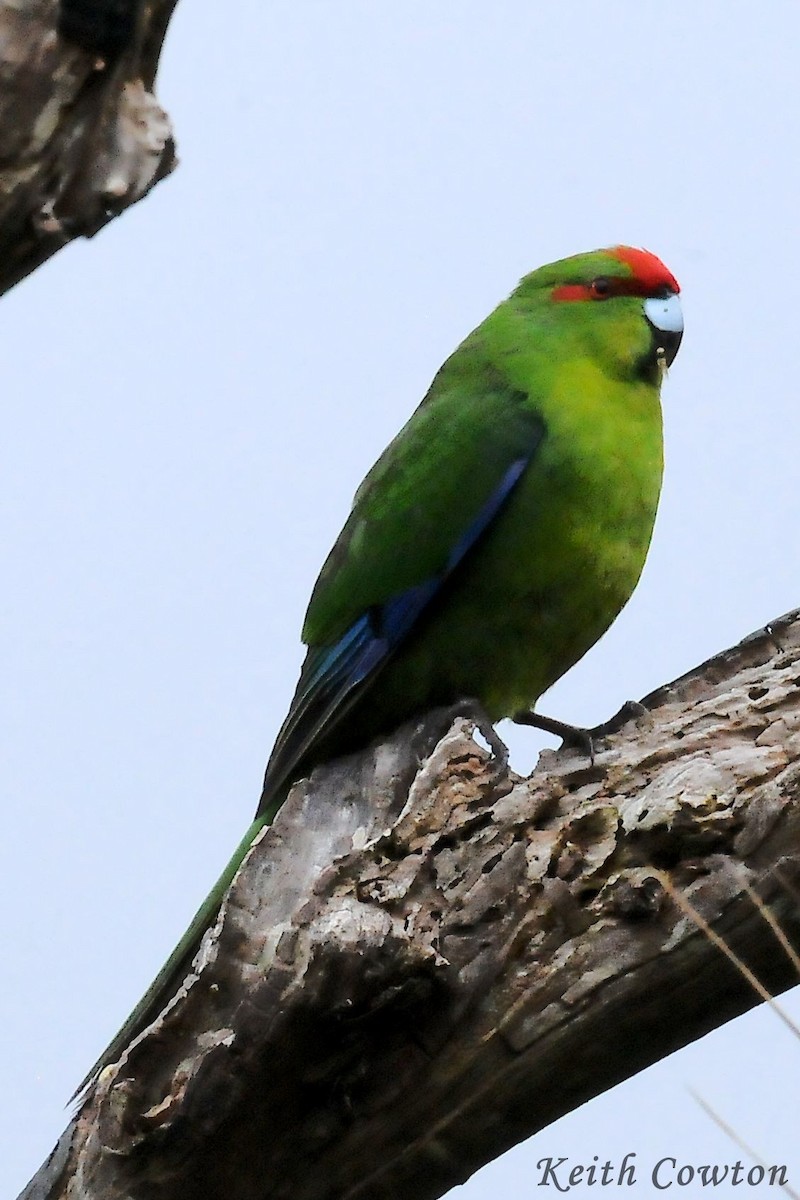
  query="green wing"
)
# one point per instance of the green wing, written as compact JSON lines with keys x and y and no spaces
{"x":420,"y":511}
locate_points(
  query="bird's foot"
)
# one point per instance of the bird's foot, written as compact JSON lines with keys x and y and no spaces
{"x":631,"y":710}
{"x":576,"y":735}
{"x":473,"y":711}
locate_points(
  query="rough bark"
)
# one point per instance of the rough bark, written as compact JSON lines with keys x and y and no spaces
{"x":81,"y":135}
{"x":427,"y":958}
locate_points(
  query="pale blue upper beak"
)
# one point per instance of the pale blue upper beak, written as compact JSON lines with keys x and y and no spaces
{"x":665,"y":315}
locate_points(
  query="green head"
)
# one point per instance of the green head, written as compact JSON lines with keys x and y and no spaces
{"x":620,"y":304}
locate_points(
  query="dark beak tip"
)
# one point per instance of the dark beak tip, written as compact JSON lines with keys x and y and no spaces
{"x":666,"y":343}
{"x":669,"y":343}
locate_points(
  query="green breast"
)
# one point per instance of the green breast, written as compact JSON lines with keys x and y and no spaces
{"x":558,"y":564}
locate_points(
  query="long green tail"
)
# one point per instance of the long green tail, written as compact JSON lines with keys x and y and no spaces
{"x":177,"y":965}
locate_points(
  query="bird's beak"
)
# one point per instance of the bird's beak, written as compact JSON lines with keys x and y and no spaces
{"x":665,"y":317}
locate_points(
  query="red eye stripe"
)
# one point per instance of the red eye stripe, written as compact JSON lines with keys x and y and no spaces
{"x":612,"y":286}
{"x":649,"y":277}
{"x":572,"y":291}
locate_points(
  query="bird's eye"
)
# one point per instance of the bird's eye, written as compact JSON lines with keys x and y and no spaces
{"x":600,"y":288}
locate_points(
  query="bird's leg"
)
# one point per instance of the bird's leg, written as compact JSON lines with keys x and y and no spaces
{"x":571,"y":735}
{"x":576,"y":735}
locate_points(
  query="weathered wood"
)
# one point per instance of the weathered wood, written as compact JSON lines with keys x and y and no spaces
{"x":427,"y":959}
{"x":82,"y":137}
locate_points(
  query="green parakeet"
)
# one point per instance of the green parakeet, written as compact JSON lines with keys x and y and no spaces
{"x":495,"y":539}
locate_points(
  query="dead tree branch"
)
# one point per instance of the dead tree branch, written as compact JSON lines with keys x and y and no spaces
{"x":82,"y":136}
{"x":427,"y":958}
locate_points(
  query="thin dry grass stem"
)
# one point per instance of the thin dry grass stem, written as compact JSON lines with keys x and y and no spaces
{"x":737,"y":1140}
{"x":769,"y":917}
{"x":702,"y":924}
{"x":788,"y":886}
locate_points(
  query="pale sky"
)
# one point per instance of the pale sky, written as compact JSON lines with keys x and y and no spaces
{"x":192,"y":398}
